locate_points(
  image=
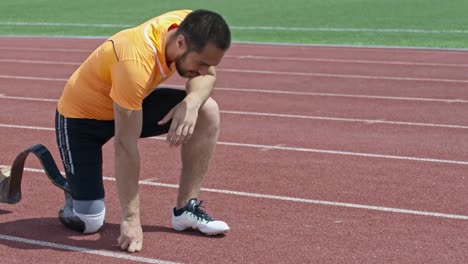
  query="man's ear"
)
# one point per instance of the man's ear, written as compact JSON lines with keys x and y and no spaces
{"x":181,"y":42}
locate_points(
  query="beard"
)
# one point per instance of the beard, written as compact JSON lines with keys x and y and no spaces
{"x":180,"y":69}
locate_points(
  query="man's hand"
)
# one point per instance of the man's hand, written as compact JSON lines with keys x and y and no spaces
{"x":184,"y":115}
{"x":184,"y":118}
{"x":131,"y":236}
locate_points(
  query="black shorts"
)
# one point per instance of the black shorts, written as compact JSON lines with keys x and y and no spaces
{"x":80,"y":141}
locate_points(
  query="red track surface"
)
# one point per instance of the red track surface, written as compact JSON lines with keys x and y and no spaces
{"x":333,"y":133}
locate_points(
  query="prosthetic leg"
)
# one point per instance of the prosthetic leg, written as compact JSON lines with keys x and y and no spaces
{"x":10,"y":177}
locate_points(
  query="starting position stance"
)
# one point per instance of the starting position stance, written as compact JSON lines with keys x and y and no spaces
{"x":113,"y":94}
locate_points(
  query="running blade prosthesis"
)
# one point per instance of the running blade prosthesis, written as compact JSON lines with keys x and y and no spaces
{"x":10,"y":177}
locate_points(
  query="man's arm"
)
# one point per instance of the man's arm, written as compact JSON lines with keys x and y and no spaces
{"x":184,"y":115}
{"x":199,"y":88}
{"x":128,"y":125}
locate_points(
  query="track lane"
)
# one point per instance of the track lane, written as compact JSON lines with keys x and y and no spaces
{"x":270,"y":83}
{"x":273,"y":65}
{"x":380,"y":182}
{"x":361,"y":137}
{"x":288,"y":231}
{"x":295,"y":51}
{"x":336,"y":109}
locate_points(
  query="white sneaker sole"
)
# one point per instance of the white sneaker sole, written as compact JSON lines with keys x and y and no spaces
{"x":205,"y":233}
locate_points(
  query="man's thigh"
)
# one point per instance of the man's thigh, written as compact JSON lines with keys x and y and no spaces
{"x":156,"y":106}
{"x":80,"y":144}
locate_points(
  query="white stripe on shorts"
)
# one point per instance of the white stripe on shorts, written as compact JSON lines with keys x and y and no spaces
{"x":72,"y":168}
{"x":60,"y":140}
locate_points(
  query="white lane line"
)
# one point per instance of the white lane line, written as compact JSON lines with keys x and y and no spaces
{"x":61,"y":24}
{"x":40,"y":62}
{"x":405,"y":63}
{"x":282,"y":148}
{"x":297,"y":200}
{"x":254,"y":57}
{"x":346,"y":76}
{"x":33,"y":78}
{"x":457,"y":100}
{"x":46,"y":49}
{"x":311,"y":74}
{"x":3,"y":96}
{"x":367,"y":121}
{"x":408,"y":49}
{"x":27,"y":127}
{"x":345,"y":153}
{"x":319,"y":202}
{"x":103,"y":253}
{"x":375,"y":30}
{"x":259,"y":28}
{"x":442,"y":100}
{"x":277,"y":145}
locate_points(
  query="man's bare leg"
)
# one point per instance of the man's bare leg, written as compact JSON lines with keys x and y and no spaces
{"x":197,"y":152}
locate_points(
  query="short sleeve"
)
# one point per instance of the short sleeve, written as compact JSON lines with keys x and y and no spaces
{"x":130,"y":84}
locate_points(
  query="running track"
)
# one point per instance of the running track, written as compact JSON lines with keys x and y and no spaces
{"x":326,"y":155}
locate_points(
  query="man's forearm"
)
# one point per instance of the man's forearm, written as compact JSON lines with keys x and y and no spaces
{"x":199,"y":89}
{"x":127,"y":168}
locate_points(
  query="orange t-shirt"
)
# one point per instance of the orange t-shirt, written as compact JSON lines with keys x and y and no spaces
{"x":124,"y":69}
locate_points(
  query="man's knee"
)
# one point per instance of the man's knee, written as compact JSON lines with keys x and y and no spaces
{"x":92,"y":223}
{"x":92,"y":213}
{"x":83,"y":216}
{"x":209,"y":113}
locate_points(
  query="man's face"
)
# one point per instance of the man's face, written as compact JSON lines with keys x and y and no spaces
{"x":191,"y":64}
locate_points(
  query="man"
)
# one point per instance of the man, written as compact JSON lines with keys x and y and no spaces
{"x":113,"y":94}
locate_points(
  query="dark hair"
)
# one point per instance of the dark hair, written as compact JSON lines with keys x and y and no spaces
{"x":203,"y":26}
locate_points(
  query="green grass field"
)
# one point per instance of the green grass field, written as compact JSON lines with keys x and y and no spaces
{"x":421,"y":23}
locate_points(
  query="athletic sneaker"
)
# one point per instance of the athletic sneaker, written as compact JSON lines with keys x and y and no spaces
{"x":68,"y":218}
{"x":191,"y":216}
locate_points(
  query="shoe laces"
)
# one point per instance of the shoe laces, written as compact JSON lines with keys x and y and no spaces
{"x":200,"y":213}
